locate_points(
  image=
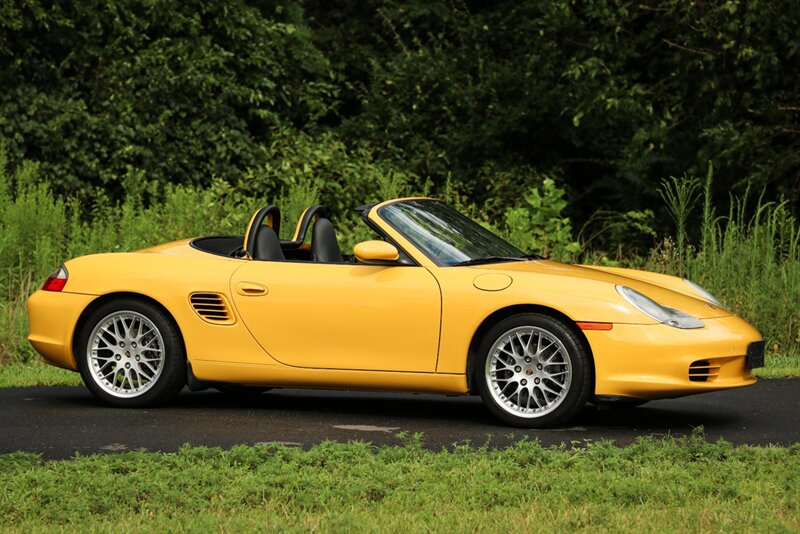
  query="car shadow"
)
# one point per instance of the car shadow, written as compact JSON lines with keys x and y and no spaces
{"x":429,"y":411}
{"x":656,"y":416}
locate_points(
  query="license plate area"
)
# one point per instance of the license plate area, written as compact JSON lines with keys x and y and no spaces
{"x":755,"y":355}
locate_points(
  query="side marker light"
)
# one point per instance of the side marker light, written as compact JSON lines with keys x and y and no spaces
{"x":595,"y":326}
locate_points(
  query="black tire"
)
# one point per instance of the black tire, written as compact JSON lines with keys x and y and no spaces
{"x":515,"y":374}
{"x":167,"y":373}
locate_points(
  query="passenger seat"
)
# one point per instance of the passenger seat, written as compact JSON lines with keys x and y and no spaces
{"x":324,"y":245}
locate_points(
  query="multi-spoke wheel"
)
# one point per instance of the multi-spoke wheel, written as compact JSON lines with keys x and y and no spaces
{"x":130,"y":354}
{"x":534,"y":371}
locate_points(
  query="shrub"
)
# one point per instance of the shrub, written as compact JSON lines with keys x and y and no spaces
{"x":539,"y":226}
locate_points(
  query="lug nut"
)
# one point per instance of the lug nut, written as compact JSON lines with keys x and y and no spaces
{"x":518,"y":369}
{"x":527,"y":359}
{"x":138,"y":358}
{"x":127,"y":366}
{"x":122,"y":344}
{"x":118,"y":357}
{"x":539,"y":367}
{"x":524,"y":382}
{"x":536,"y":380}
{"x":133,"y":345}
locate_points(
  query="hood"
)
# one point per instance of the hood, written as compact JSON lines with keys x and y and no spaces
{"x":583,"y":281}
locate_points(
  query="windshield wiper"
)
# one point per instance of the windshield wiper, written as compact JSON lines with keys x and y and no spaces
{"x":496,"y":259}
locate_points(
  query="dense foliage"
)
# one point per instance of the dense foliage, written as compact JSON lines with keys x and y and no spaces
{"x":184,"y":91}
{"x":553,"y":122}
{"x":608,"y":96}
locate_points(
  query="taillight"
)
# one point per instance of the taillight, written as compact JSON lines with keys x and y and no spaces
{"x":57,"y":280}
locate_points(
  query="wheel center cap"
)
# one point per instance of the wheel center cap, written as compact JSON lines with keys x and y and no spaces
{"x":128,"y":353}
{"x":528,"y":371}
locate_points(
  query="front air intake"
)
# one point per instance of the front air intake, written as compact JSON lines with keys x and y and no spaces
{"x":211,"y":307}
{"x":703,"y":371}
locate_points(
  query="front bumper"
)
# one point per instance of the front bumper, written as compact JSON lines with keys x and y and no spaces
{"x":52,"y":317}
{"x":654,"y":361}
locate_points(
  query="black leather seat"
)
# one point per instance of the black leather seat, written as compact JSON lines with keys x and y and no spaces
{"x":324,"y":245}
{"x":261,"y":242}
{"x":267,"y":246}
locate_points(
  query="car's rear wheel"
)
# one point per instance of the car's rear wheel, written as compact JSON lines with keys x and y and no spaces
{"x":534,"y":371}
{"x":130,"y":354}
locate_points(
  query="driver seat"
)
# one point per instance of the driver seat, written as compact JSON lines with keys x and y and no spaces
{"x":324,"y":245}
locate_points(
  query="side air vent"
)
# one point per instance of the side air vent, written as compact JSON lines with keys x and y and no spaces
{"x":703,"y":371}
{"x":211,"y":307}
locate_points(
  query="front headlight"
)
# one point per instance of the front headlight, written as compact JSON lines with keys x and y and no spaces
{"x":705,"y":295}
{"x":662,"y":314}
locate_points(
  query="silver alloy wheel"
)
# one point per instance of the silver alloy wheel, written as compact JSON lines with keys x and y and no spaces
{"x":528,"y":371}
{"x":125,"y":354}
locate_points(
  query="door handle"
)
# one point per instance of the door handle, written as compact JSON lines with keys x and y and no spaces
{"x":249,"y":289}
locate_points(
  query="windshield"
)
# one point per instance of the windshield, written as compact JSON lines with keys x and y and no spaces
{"x":446,"y":236}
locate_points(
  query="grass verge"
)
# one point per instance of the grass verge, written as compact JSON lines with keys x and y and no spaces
{"x":685,"y":485}
{"x":36,"y":373}
{"x":780,"y":366}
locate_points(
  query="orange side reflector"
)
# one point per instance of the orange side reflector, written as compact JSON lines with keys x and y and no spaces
{"x":595,"y":326}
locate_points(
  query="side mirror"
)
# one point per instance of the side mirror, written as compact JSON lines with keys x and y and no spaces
{"x":376,"y":251}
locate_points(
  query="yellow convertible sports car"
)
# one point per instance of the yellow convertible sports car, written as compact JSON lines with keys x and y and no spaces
{"x":435,"y":303}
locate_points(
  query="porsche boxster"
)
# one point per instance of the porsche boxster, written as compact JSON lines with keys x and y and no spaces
{"x":434,"y":303}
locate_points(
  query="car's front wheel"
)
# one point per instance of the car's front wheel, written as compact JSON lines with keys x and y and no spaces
{"x":130,"y":354}
{"x":533,"y":371}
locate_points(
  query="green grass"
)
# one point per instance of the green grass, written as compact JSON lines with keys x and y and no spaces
{"x":748,"y":258}
{"x":36,"y":373}
{"x":672,"y":485}
{"x":780,"y":366}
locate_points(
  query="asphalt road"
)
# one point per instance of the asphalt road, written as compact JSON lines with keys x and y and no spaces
{"x":61,"y":421}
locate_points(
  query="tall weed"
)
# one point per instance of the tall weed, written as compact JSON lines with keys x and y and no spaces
{"x":749,"y":259}
{"x":39,"y":231}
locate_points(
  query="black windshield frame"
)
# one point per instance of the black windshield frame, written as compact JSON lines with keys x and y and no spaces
{"x":476,"y":241}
